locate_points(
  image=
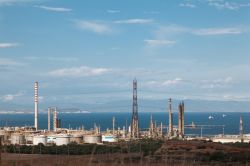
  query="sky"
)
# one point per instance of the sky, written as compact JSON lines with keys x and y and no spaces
{"x":90,"y":51}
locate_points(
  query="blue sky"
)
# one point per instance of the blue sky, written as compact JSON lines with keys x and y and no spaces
{"x":90,"y":51}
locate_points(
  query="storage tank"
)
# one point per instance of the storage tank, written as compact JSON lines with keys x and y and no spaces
{"x":29,"y":138}
{"x":39,"y":139}
{"x":109,"y":138}
{"x":51,"y":139}
{"x":92,"y":139}
{"x":76,"y":138}
{"x":62,"y":139}
{"x":17,"y":138}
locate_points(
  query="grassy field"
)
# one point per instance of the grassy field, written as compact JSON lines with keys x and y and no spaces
{"x":170,"y":153}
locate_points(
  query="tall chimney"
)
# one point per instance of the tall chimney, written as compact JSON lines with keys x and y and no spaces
{"x":170,"y":114}
{"x":113,"y":120}
{"x":180,"y":120}
{"x":49,"y":112}
{"x":182,"y":113}
{"x":36,"y":105}
{"x":55,"y":120}
{"x":241,"y":129}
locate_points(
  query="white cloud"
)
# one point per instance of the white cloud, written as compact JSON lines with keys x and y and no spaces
{"x":113,"y":11}
{"x":10,"y":97}
{"x":151,"y":12}
{"x":172,"y":82}
{"x":93,"y":26}
{"x":187,"y":5}
{"x":153,"y":43}
{"x":218,"y":83}
{"x":8,"y":45}
{"x":217,"y":31}
{"x":82,"y":71}
{"x":173,"y":30}
{"x":134,"y":21}
{"x":54,"y":9}
{"x":44,"y":58}
{"x":11,"y":2}
{"x":9,"y":62}
{"x":165,"y":83}
{"x":223,"y":4}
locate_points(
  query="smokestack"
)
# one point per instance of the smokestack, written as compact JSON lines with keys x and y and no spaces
{"x":170,"y":114}
{"x":241,"y":129}
{"x":181,"y":120}
{"x":151,"y":127}
{"x":113,"y":125}
{"x":182,"y":127}
{"x":36,"y":105}
{"x":55,"y":120}
{"x":49,"y":112}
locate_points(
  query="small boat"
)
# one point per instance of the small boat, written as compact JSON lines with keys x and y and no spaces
{"x":210,"y":117}
{"x":224,"y":115}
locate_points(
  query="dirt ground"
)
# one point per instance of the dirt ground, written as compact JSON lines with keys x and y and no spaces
{"x":107,"y":160}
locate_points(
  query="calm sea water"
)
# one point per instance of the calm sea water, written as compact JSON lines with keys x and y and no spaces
{"x":231,"y":121}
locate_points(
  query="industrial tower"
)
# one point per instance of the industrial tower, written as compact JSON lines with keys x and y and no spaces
{"x":170,"y":114}
{"x":135,"y":123}
{"x":36,"y":105}
{"x":181,"y":120}
{"x":241,"y":129}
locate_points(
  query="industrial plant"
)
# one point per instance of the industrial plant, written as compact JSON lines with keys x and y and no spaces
{"x":56,"y":134}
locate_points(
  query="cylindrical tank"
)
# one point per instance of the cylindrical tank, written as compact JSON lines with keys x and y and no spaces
{"x":17,"y":138}
{"x":51,"y":139}
{"x":29,"y":138}
{"x":62,"y":139}
{"x":92,"y":139}
{"x":76,"y":138}
{"x":109,"y":138}
{"x":39,"y":139}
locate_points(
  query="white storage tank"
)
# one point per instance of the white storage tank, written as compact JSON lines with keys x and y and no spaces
{"x":76,"y":138}
{"x":17,"y":138}
{"x":92,"y":139}
{"x":109,"y":138}
{"x":62,"y":139}
{"x":51,"y":139}
{"x":29,"y":138}
{"x":39,"y":139}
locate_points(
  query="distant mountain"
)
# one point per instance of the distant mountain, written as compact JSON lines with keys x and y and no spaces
{"x":126,"y":106}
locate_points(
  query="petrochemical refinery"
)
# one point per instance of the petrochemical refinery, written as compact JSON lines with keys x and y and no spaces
{"x":63,"y":136}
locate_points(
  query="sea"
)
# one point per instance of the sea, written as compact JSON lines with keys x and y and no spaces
{"x":218,"y":123}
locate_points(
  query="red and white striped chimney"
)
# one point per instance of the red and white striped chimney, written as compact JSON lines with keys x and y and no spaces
{"x":36,"y":105}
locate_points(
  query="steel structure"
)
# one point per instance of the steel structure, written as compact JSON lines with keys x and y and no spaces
{"x":135,"y":121}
